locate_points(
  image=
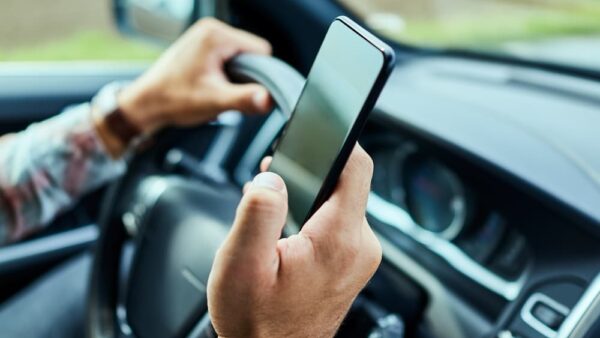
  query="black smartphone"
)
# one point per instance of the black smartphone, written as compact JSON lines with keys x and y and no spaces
{"x":341,"y":89}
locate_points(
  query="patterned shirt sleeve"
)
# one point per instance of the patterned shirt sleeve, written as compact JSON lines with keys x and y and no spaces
{"x":47,"y":167}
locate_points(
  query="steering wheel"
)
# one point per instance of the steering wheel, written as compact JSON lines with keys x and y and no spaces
{"x":176,"y":225}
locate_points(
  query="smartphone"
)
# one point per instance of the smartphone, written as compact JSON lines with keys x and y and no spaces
{"x":341,"y":89}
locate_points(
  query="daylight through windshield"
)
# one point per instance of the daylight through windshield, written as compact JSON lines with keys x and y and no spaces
{"x":560,"y":31}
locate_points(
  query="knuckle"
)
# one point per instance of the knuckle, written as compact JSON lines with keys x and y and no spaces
{"x":224,"y":102}
{"x":377,"y":253}
{"x":207,"y":30}
{"x":345,"y":248}
{"x":208,"y":37}
{"x":208,"y":24}
{"x":352,"y":249}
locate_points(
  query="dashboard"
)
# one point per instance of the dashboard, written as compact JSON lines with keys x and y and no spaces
{"x":444,"y":206}
{"x":476,"y":186}
{"x":475,"y":202}
{"x":491,"y":241}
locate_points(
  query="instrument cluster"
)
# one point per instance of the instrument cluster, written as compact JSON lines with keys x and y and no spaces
{"x":427,"y":194}
{"x":433,"y":194}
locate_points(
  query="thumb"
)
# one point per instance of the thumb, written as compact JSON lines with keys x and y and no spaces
{"x":260,"y":218}
{"x":247,"y":98}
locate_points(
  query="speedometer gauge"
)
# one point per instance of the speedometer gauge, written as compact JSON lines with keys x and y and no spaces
{"x":435,"y":197}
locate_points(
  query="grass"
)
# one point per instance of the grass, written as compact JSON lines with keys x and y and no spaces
{"x":87,"y":45}
{"x":491,"y":30}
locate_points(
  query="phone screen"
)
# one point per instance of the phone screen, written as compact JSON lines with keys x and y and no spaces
{"x":337,"y":87}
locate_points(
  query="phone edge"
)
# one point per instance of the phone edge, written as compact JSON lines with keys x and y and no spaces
{"x":340,"y":161}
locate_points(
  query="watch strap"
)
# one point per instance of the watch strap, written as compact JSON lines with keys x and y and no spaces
{"x":121,"y":127}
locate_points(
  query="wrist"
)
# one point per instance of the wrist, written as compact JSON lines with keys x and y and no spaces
{"x":119,"y":118}
{"x":113,"y":145}
{"x":142,"y":108}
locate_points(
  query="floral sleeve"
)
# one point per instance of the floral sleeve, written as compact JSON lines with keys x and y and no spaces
{"x":47,"y":167}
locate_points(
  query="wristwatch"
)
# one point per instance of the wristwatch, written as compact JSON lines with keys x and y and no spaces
{"x":106,"y":105}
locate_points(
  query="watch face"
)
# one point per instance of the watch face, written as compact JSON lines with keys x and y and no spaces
{"x":106,"y":99}
{"x":106,"y":105}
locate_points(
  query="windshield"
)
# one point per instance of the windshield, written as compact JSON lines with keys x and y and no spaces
{"x":558,"y":31}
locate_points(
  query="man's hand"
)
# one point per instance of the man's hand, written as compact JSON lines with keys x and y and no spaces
{"x":301,"y":286}
{"x":188,"y":86}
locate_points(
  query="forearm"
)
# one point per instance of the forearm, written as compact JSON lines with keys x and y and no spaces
{"x":46,"y":168}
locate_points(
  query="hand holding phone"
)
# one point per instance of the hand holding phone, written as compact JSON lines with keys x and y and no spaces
{"x":343,"y":84}
{"x":298,"y":286}
{"x":302,"y":286}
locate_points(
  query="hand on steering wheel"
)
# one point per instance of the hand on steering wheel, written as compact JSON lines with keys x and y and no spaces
{"x":188,"y":84}
{"x":303,"y":285}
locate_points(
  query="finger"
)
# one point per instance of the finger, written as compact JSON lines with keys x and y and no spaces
{"x":349,"y":199}
{"x":247,"y":98}
{"x":259,"y":220}
{"x":245,"y":41}
{"x":230,"y":40}
{"x":354,"y":185}
{"x":265,"y":163}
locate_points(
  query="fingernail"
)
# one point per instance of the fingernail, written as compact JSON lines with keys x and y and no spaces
{"x":259,"y":99}
{"x":268,"y":180}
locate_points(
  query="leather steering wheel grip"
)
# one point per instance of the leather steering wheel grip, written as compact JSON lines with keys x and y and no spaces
{"x":282,"y":81}
{"x":284,"y":84}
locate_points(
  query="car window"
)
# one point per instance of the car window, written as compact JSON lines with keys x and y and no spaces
{"x":65,"y":30}
{"x":560,"y":31}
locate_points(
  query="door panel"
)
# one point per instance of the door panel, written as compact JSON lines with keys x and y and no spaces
{"x":33,"y":92}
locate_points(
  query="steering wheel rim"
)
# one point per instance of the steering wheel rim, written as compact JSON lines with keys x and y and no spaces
{"x":284,"y":84}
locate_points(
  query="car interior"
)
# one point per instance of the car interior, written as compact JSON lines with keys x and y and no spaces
{"x":485,"y":195}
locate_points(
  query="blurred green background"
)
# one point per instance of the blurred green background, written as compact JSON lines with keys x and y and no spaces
{"x":559,"y":31}
{"x":565,"y":31}
{"x":477,"y":22}
{"x":64,"y":30}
